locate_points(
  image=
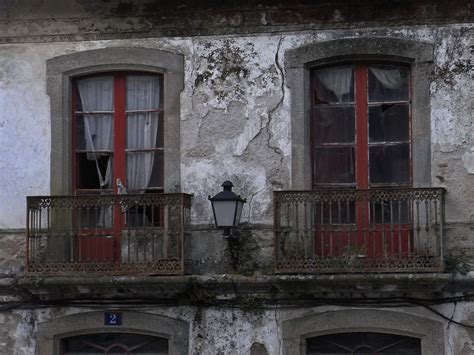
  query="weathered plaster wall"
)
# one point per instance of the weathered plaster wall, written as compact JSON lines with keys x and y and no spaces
{"x":24,"y":131}
{"x":235,"y":124}
{"x":230,"y":331}
{"x":235,"y":121}
{"x":67,"y":20}
{"x":12,"y":254}
{"x":453,"y":122}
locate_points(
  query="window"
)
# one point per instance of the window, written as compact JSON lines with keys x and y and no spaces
{"x":114,"y":343}
{"x":84,"y":333}
{"x":361,"y":139}
{"x":115,"y":124}
{"x":118,"y":133}
{"x":117,"y":148}
{"x":415,"y":59}
{"x":363,"y":344}
{"x":361,"y":126}
{"x":360,"y":122}
{"x":316,"y":333}
{"x":165,"y":69}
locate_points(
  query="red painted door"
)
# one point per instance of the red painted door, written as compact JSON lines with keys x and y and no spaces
{"x":118,"y":148}
{"x":360,"y":135}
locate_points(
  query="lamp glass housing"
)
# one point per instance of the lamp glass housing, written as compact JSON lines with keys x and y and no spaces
{"x":225,"y":213}
{"x":227,"y":207}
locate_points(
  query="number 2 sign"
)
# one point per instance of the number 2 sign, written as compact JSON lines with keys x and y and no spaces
{"x":112,"y":318}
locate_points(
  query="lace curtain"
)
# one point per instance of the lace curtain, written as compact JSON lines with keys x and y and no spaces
{"x":339,"y":79}
{"x":143,"y":93}
{"x":96,"y":94}
{"x":389,"y":78}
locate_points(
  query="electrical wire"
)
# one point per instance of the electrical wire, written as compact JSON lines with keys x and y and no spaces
{"x":151,"y":303}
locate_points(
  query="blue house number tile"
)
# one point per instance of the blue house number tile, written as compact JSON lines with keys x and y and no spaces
{"x":112,"y":318}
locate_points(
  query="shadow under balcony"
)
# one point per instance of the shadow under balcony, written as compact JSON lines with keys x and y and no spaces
{"x":376,"y":230}
{"x":107,"y":234}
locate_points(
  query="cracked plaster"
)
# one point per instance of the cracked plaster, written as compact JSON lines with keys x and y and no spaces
{"x":232,"y":331}
{"x":234,"y":125}
{"x":468,"y":160}
{"x":235,"y":114}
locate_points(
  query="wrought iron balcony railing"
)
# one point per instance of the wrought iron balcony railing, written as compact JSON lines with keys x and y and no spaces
{"x":107,"y":234}
{"x":376,"y":230}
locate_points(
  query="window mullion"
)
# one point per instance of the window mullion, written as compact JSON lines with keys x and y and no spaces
{"x":73,"y":138}
{"x":362,"y":150}
{"x":120,"y":128}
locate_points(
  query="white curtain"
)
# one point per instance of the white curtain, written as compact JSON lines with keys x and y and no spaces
{"x":143,"y":93}
{"x":96,"y":94}
{"x":338,"y":80}
{"x":389,"y":78}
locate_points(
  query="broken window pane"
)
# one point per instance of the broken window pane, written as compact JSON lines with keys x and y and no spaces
{"x":388,"y":83}
{"x":157,"y":176}
{"x":388,"y":123}
{"x":94,"y":171}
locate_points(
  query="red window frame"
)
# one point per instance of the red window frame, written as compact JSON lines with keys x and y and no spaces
{"x":361,"y":104}
{"x":97,"y":243}
{"x":119,"y":151}
{"x":325,"y":234}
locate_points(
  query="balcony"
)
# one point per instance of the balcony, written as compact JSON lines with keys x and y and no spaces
{"x":107,"y":234}
{"x":376,"y":230}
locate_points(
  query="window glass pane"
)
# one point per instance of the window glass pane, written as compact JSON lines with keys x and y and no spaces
{"x":363,"y":343}
{"x":143,"y":130}
{"x":144,"y":170}
{"x":96,"y":94}
{"x":94,"y":132}
{"x":390,"y":211}
{"x":144,"y":216}
{"x":334,"y":124}
{"x":157,"y":178}
{"x":333,"y":85}
{"x":388,"y":83}
{"x":95,"y":218}
{"x":94,"y":171}
{"x":388,"y":123}
{"x":389,"y":164}
{"x":143,"y":92}
{"x":114,"y":343}
{"x":334,"y":165}
{"x":336,"y":212}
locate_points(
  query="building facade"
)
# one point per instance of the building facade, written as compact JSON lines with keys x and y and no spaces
{"x":347,"y":126}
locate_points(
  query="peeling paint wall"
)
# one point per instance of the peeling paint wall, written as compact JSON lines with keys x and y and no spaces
{"x":230,"y":331}
{"x":235,"y":125}
{"x":235,"y":116}
{"x":453,"y":122}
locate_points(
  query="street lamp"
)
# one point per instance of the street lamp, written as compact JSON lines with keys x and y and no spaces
{"x":227,"y":210}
